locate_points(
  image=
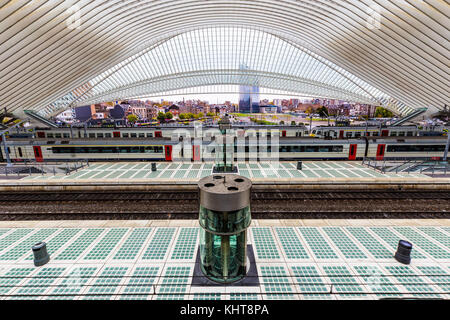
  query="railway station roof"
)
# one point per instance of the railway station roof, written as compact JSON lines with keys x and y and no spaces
{"x":59,"y":54}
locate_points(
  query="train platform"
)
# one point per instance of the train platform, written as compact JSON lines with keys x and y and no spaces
{"x":156,"y":259}
{"x":265,"y":173}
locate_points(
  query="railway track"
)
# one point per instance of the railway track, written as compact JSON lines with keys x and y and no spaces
{"x":266,"y":204}
{"x":193,"y":195}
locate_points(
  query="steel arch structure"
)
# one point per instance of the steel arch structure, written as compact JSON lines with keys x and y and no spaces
{"x":50,"y":48}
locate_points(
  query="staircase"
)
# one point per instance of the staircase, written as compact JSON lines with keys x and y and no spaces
{"x":40,"y":118}
{"x":409,"y":117}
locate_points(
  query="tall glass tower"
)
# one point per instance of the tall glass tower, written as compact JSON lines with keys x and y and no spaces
{"x":248,"y":96}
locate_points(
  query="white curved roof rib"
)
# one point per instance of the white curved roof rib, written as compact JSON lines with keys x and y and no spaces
{"x":394,"y":51}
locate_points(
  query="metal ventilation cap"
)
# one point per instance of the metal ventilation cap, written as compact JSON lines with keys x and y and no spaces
{"x":225,"y":192}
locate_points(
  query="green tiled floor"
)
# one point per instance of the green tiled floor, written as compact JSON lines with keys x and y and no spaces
{"x":291,"y":244}
{"x":411,"y":281}
{"x":159,"y":244}
{"x":275,"y":283}
{"x":377,"y":282}
{"x":141,"y":282}
{"x":347,"y":247}
{"x":133,"y":244}
{"x":175,"y":283}
{"x":23,"y":247}
{"x":106,"y":244}
{"x":265,"y":244}
{"x":253,"y":170}
{"x":158,"y":263}
{"x":426,"y":245}
{"x":310,"y":282}
{"x":370,"y":243}
{"x":185,"y":246}
{"x":392,"y":240}
{"x":76,"y":248}
{"x":107,"y":283}
{"x":344,"y":283}
{"x":319,"y":246}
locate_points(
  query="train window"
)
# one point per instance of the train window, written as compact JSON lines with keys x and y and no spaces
{"x":133,"y":135}
{"x":125,"y":135}
{"x":310,"y":149}
{"x":142,"y":135}
{"x":357,"y":134}
{"x":9,"y":150}
{"x":49,"y":135}
{"x":66,"y":135}
{"x":99,"y":135}
{"x":409,"y":134}
{"x":58,"y":135}
{"x":393,"y":133}
{"x":348,"y":134}
{"x":108,"y":135}
{"x":375,"y":134}
{"x":20,"y":151}
{"x":416,"y":148}
{"x":401,"y":133}
{"x":149,"y":135}
{"x":91,"y":135}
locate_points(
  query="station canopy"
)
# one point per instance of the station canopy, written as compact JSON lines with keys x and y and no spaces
{"x":55,"y":55}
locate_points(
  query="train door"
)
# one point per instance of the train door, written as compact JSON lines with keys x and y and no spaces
{"x":341,"y":134}
{"x":352,"y":152}
{"x":196,"y":153}
{"x":40,"y":134}
{"x":38,"y":154}
{"x":158,"y":134}
{"x":384,"y":133}
{"x":168,"y":152}
{"x":380,"y":151}
{"x":283,"y":133}
{"x":116,"y":134}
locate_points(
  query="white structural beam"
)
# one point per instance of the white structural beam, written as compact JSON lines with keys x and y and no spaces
{"x":50,"y":48}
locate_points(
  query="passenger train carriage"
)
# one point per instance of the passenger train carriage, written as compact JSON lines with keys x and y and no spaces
{"x":333,"y":132}
{"x":166,"y":149}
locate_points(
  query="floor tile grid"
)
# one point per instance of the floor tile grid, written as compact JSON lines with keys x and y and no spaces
{"x":319,"y":248}
{"x":137,"y":241}
{"x":347,"y":247}
{"x":410,"y":281}
{"x":377,"y":250}
{"x":10,"y":240}
{"x":105,"y":247}
{"x":432,"y":249}
{"x":435,"y":235}
{"x":76,"y":249}
{"x":390,"y":239}
{"x":265,"y":246}
{"x":23,"y":248}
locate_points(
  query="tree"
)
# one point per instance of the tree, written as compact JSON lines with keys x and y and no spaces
{"x":161,"y":116}
{"x":323,"y":112}
{"x":309,"y":111}
{"x":210,"y":114}
{"x":132,"y":118}
{"x":281,"y":122}
{"x":182,"y":116}
{"x":381,"y":112}
{"x":201,"y":115}
{"x":169,"y":115}
{"x":190,"y":115}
